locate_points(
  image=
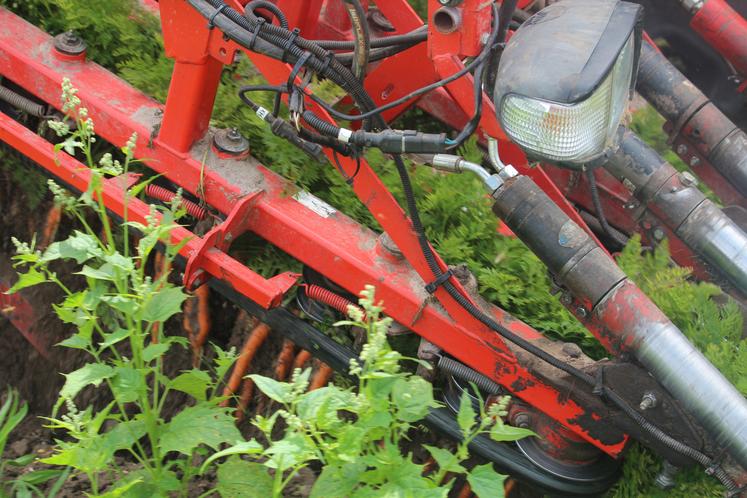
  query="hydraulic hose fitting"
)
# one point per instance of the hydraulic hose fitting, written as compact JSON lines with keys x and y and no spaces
{"x":674,"y":198}
{"x":621,"y":316}
{"x":455,"y":164}
{"x":693,"y":116}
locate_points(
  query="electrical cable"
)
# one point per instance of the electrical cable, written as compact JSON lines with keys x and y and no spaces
{"x":362,"y":48}
{"x":271,"y":7}
{"x":415,"y":36}
{"x":593,"y":188}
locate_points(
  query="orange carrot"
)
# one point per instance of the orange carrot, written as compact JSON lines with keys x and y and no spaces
{"x":321,"y":377}
{"x":301,"y":359}
{"x":285,"y":360}
{"x":50,"y":226}
{"x":247,"y":389}
{"x":508,"y":487}
{"x":248,"y":351}
{"x":465,"y":492}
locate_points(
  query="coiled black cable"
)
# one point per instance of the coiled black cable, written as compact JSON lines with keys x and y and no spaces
{"x":271,"y":7}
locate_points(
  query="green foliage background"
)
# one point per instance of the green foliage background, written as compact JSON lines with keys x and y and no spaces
{"x":127,"y":41}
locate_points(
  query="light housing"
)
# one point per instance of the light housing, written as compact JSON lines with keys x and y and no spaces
{"x":565,"y":78}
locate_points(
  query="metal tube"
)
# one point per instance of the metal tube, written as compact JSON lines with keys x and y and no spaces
{"x":693,"y":116}
{"x":675,"y":199}
{"x":621,"y":316}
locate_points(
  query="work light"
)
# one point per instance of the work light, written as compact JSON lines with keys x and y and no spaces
{"x":565,"y":78}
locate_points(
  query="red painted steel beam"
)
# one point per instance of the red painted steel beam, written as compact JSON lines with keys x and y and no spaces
{"x":725,"y":30}
{"x":333,"y":244}
{"x":21,"y":314}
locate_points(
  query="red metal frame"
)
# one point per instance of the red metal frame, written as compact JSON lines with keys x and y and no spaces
{"x":330,"y":243}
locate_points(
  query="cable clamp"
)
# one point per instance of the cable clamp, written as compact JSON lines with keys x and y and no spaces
{"x":260,"y":22}
{"x":599,"y":383}
{"x":327,"y":61}
{"x":211,"y":23}
{"x":291,"y":41}
{"x":431,"y":287}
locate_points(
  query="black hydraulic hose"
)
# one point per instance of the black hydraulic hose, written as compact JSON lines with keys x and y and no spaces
{"x":415,"y":36}
{"x":506,"y":13}
{"x":320,"y":125}
{"x":471,"y":126}
{"x":362,"y":49}
{"x":271,"y":7}
{"x":346,"y":58}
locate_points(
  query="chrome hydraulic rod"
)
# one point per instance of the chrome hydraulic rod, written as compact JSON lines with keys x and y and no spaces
{"x":621,"y":316}
{"x":675,"y":199}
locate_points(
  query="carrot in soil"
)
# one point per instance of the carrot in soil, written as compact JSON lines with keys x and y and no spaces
{"x":321,"y":377}
{"x":301,"y":359}
{"x":285,"y":360}
{"x":247,"y":389}
{"x":197,"y":327}
{"x":51,"y":225}
{"x":466,"y":491}
{"x":252,"y":344}
{"x":508,"y":487}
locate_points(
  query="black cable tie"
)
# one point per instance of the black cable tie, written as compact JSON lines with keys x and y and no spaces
{"x":327,"y":61}
{"x":260,"y":22}
{"x":431,"y":287}
{"x":297,"y":68}
{"x":291,"y":41}
{"x":599,"y":383}
{"x":215,"y":14}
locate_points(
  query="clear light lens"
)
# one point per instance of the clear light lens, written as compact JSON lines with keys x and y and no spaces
{"x":571,"y":133}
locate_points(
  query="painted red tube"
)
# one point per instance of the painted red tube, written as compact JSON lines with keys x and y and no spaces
{"x":725,"y":30}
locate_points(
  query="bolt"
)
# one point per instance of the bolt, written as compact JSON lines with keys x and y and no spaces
{"x":658,"y":234}
{"x":566,"y":299}
{"x":231,"y":142}
{"x":648,"y":401}
{"x":666,"y":477}
{"x":581,"y":312}
{"x":688,"y":180}
{"x":694,"y":161}
{"x":523,"y":420}
{"x":69,"y":43}
{"x":681,"y":149}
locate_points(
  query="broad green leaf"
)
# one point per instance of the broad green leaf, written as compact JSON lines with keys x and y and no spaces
{"x":250,"y":447}
{"x":104,"y":272}
{"x":193,"y":382}
{"x":239,"y":478}
{"x":278,"y":391}
{"x":504,"y":432}
{"x":486,"y":482}
{"x":197,"y":425}
{"x":87,"y":456}
{"x":92,"y":373}
{"x":80,"y":246}
{"x":37,"y":477}
{"x":412,"y":397}
{"x":337,"y":482}
{"x":128,"y":384}
{"x":466,"y":415}
{"x":76,"y":341}
{"x":153,"y":351}
{"x":126,"y":305}
{"x":290,"y":451}
{"x":29,"y":279}
{"x":124,"y":435}
{"x":446,"y":460}
{"x":163,"y":304}
{"x":116,"y":336}
{"x":120,"y":262}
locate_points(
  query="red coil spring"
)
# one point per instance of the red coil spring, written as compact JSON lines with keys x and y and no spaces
{"x":329,"y":298}
{"x":162,"y":194}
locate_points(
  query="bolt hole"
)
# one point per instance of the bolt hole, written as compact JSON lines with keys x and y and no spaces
{"x":222,"y":52}
{"x":447,"y":20}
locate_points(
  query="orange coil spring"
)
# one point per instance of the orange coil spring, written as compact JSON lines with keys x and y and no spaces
{"x":329,"y":298}
{"x":163,"y":194}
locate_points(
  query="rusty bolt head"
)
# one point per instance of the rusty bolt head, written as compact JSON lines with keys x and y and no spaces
{"x":688,"y":180}
{"x":681,"y":149}
{"x":231,"y":142}
{"x":69,"y":43}
{"x":694,"y":161}
{"x":658,"y":234}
